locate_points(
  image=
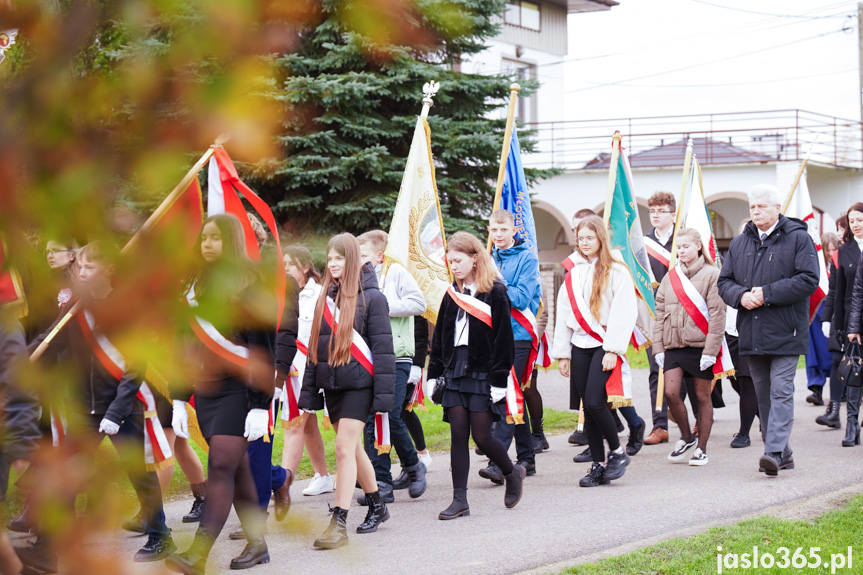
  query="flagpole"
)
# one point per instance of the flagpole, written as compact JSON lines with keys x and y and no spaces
{"x":799,"y":174}
{"x":612,"y":175}
{"x":514,"y":89}
{"x":151,"y":221}
{"x":687,"y":169}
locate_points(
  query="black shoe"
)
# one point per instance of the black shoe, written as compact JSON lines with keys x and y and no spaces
{"x":583,"y":457}
{"x":377,"y":514}
{"x":540,"y":443}
{"x":852,"y":433}
{"x":616,"y":465}
{"x":336,"y":533}
{"x":594,"y":477}
{"x":137,"y":524}
{"x":578,"y":438}
{"x":255,"y":553}
{"x":386,"y":491}
{"x":740,"y":440}
{"x":830,"y":418}
{"x":194,"y":514}
{"x":193,"y":561}
{"x":39,"y":557}
{"x":237,"y":534}
{"x":770,"y":462}
{"x":417,"y":475}
{"x":402,"y":481}
{"x":493,"y":473}
{"x":514,"y":484}
{"x":815,"y":397}
{"x":23,"y":523}
{"x":529,"y":467}
{"x":636,"y":439}
{"x":156,"y":549}
{"x":458,"y":507}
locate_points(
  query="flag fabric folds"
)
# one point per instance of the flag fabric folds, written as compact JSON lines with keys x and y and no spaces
{"x":416,"y":237}
{"x":693,"y":212}
{"x":515,"y":198}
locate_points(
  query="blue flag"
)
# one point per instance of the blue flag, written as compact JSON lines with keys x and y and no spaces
{"x":515,"y":197}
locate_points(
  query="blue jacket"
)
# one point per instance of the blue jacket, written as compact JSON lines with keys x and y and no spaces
{"x":520,"y":269}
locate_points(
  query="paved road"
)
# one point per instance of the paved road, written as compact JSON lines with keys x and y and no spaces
{"x":556,"y":520}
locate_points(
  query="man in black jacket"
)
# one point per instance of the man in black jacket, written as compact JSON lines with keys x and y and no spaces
{"x":769,"y":273}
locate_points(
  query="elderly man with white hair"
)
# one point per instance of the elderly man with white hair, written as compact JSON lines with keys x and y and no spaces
{"x":768,"y":275}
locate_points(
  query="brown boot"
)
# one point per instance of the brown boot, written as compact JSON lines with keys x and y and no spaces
{"x":658,"y":435}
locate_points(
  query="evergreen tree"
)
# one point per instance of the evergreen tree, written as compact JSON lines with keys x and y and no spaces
{"x":351,"y":107}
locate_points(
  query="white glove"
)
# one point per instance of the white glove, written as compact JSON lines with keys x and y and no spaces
{"x":256,"y":424}
{"x":428,"y":388}
{"x":180,"y":419}
{"x":706,"y":361}
{"x":277,"y":393}
{"x":416,"y":374}
{"x":659,"y":358}
{"x":108,"y":427}
{"x":497,"y":393}
{"x":825,"y":329}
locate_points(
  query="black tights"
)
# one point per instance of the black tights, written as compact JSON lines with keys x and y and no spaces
{"x":412,"y":421}
{"x":532,"y":398}
{"x":703,"y":409}
{"x":463,"y":423}
{"x":742,"y":384}
{"x":229,"y":481}
{"x":588,"y":378}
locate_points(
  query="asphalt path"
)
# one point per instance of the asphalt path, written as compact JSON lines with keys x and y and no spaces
{"x":556,"y":522}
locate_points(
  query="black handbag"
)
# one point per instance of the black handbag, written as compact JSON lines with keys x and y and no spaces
{"x":850,"y":370}
{"x":437,"y":392}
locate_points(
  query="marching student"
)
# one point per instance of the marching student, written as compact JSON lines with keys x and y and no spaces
{"x":405,"y":299}
{"x":519,"y":267}
{"x":350,"y":358}
{"x":596,"y":314}
{"x":472,"y":348}
{"x":300,"y":266}
{"x":228,"y":352}
{"x":106,"y":402}
{"x":532,"y":398}
{"x":685,"y":341}
{"x":835,"y":341}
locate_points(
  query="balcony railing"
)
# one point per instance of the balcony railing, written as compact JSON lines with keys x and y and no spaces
{"x":732,"y":138}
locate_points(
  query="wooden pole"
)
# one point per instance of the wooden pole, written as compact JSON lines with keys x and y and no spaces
{"x":682,"y":203}
{"x":151,"y":221}
{"x":660,"y":390}
{"x":514,"y":89}
{"x":612,"y":175}
{"x":800,"y":172}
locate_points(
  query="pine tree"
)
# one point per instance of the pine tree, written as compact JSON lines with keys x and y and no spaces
{"x":350,"y":109}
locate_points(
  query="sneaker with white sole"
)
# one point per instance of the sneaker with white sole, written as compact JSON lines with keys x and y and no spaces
{"x":425,"y":459}
{"x":698,"y":458}
{"x":681,"y":448}
{"x":319,"y":485}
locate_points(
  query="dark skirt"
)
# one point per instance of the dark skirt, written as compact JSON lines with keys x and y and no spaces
{"x":468,"y":389}
{"x":165,"y":410}
{"x":223,"y":414}
{"x":741,"y":365}
{"x":687,"y":358}
{"x":350,"y":404}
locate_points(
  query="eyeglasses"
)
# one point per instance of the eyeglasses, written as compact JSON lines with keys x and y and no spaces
{"x":587,"y":239}
{"x":657,"y":212}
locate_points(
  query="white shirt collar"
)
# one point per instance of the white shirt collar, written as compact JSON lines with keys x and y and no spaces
{"x":769,"y":231}
{"x":859,"y":243}
{"x":663,"y":239}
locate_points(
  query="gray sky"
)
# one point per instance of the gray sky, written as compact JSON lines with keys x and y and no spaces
{"x":634,"y":44}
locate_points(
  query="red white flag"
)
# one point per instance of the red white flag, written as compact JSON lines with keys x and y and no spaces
{"x":800,"y":207}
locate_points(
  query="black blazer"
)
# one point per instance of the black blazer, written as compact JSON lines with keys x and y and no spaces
{"x":837,"y":307}
{"x":490,"y":350}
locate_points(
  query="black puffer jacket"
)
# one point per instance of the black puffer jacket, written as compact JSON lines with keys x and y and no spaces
{"x":490,"y":350}
{"x":855,"y":321}
{"x":372,"y":322}
{"x":837,"y":308}
{"x":786,"y":267}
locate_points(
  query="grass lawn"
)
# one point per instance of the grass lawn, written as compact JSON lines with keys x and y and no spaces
{"x":832,"y":532}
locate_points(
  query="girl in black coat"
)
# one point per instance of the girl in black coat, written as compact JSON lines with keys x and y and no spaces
{"x":476,"y":361}
{"x":231,"y":318}
{"x":352,"y":391}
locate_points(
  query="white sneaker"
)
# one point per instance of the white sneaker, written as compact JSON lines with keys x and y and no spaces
{"x":698,"y":458}
{"x":425,"y":459}
{"x":319,"y":485}
{"x":681,"y":448}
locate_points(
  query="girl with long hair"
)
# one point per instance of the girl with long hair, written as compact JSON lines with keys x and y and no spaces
{"x":229,"y":358}
{"x":351,"y":358}
{"x":299,"y":265}
{"x":680,"y":346}
{"x":472,"y":347}
{"x":596,"y":314}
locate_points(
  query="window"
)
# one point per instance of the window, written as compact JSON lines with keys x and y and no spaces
{"x":522,"y":13}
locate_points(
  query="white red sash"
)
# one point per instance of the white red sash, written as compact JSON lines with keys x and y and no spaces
{"x":696,"y":306}
{"x":58,"y":428}
{"x":543,"y":359}
{"x":157,"y":452}
{"x":482,"y":311}
{"x":619,"y":385}
{"x":656,"y":251}
{"x":418,"y":398}
{"x":527,"y":320}
{"x":291,"y":394}
{"x":215,"y":341}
